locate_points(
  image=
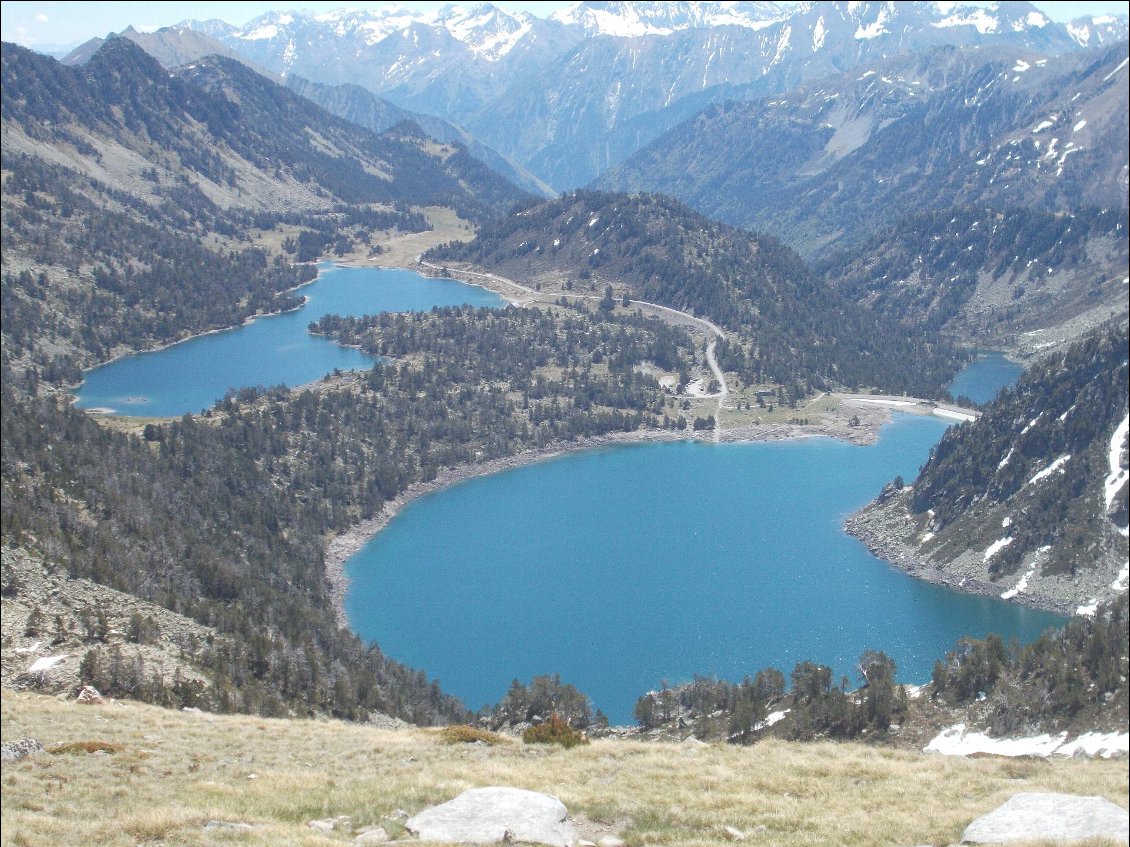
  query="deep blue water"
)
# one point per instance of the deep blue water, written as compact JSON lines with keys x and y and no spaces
{"x":621,"y":567}
{"x":982,"y":380}
{"x":275,"y":350}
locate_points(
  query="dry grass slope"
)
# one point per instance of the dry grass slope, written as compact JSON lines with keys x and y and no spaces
{"x":175,"y":771}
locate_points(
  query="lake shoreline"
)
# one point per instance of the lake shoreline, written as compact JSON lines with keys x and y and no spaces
{"x":339,"y":547}
{"x":876,"y":532}
{"x":72,"y":390}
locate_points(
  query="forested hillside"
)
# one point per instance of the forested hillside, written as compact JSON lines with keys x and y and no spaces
{"x":223,"y":518}
{"x":1029,"y":501}
{"x":1069,"y":679}
{"x":141,"y":207}
{"x":789,"y":328}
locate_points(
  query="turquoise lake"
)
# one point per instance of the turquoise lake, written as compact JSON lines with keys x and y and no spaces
{"x":985,"y":377}
{"x":274,"y":350}
{"x":619,"y":568}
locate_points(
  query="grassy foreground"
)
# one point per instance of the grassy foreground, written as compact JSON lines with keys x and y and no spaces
{"x":158,"y":776}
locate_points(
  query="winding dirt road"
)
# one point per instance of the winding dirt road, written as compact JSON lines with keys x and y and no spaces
{"x":711,"y":360}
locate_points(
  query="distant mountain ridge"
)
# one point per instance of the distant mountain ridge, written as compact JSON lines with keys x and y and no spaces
{"x":826,"y":164}
{"x":360,"y":106}
{"x":571,"y":95}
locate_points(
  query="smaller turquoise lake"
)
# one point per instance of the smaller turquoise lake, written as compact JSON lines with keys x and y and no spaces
{"x":983,"y":380}
{"x":273,"y":350}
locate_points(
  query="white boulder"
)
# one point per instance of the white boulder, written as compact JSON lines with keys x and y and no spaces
{"x":1033,"y":817}
{"x":491,"y":815}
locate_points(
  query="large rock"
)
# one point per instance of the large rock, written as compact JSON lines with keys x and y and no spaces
{"x":1049,"y":817}
{"x":21,"y":748}
{"x":489,"y":815}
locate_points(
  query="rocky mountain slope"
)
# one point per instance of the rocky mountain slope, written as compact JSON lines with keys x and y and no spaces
{"x":789,"y":328}
{"x":1020,"y":279}
{"x":828,"y":164}
{"x":571,"y":95}
{"x":1030,"y":501}
{"x":179,"y":45}
{"x":241,"y":139}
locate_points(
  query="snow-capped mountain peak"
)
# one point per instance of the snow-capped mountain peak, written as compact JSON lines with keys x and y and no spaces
{"x":1098,"y":30}
{"x":489,"y":31}
{"x":633,"y":19}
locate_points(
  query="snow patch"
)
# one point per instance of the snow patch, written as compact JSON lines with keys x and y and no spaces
{"x":818,"y":34}
{"x":770,"y":719}
{"x":1121,"y":65}
{"x":1079,"y":125}
{"x":1020,"y":586}
{"x":958,"y":741}
{"x":967,"y":16}
{"x":997,"y":546}
{"x":872,"y":30}
{"x":1118,"y":474}
{"x":1021,"y":66}
{"x":263,"y":33}
{"x":595,"y":218}
{"x":1057,"y":465}
{"x":1099,"y":744}
{"x":45,"y":664}
{"x":1042,"y":125}
{"x":1007,"y":456}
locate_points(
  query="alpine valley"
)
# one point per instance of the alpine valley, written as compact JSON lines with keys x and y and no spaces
{"x":720,"y":221}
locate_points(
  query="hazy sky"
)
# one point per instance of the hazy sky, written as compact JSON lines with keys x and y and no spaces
{"x":44,"y":24}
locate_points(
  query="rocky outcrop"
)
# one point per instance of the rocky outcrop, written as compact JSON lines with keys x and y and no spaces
{"x":50,"y":621}
{"x":21,"y":748}
{"x":894,"y":534}
{"x":491,"y":815}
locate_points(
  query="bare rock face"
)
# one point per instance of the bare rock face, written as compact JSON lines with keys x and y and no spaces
{"x":1064,"y":817}
{"x":491,"y":815}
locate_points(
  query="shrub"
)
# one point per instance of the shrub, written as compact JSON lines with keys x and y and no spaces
{"x":87,"y":747}
{"x":554,"y":731}
{"x":464,"y":734}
